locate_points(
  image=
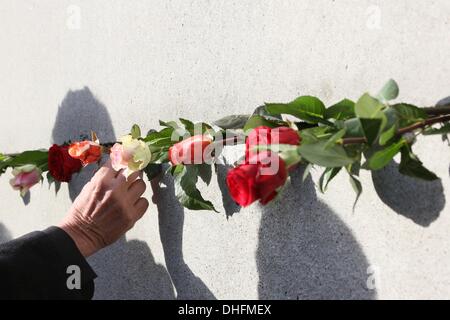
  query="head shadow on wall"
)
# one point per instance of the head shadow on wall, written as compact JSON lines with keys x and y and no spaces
{"x":80,"y":113}
{"x":126,"y":269}
{"x":306,"y":251}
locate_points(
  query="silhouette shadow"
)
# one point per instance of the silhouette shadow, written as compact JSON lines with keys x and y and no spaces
{"x":420,"y":201}
{"x":5,"y":235}
{"x":126,"y":269}
{"x":306,"y":252}
{"x":229,"y":205}
{"x":171,"y":220}
{"x":79,"y":114}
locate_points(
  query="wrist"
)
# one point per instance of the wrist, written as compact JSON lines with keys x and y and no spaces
{"x":81,"y":237}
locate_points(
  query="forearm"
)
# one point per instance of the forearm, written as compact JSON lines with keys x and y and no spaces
{"x":35,"y":266}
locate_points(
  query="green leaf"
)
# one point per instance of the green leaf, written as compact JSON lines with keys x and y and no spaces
{"x":287,"y":152}
{"x":371,"y":128}
{"x":387,"y":135}
{"x":444,"y":129}
{"x":381,"y":158}
{"x":391,"y":116}
{"x":135,"y":131}
{"x":175,"y":170}
{"x":152,"y":170}
{"x":57,"y":186}
{"x":50,"y":179}
{"x":334,"y":156}
{"x":389,"y":91}
{"x":205,"y":172}
{"x":326,"y":177}
{"x":169,"y":124}
{"x":37,"y":157}
{"x":257,"y":121}
{"x":315,"y":134}
{"x":186,"y":192}
{"x":343,"y":110}
{"x":232,"y":122}
{"x":409,"y":113}
{"x":161,"y":138}
{"x":262,"y":111}
{"x":188,"y":125}
{"x":307,"y":108}
{"x":307,"y":171}
{"x":353,"y":128}
{"x":368,"y":107}
{"x":411,"y":166}
{"x":204,"y":128}
{"x":4,"y":163}
{"x":357,"y":187}
{"x":335,"y":138}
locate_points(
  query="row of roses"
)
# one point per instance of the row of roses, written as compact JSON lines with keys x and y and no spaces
{"x":259,"y":177}
{"x":65,"y":160}
{"x":345,"y":137}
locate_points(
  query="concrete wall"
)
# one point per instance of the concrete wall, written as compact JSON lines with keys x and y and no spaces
{"x":68,"y":67}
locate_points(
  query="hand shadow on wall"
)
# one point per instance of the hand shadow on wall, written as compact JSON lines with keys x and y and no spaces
{"x":306,"y":252}
{"x":126,"y":269}
{"x":171,"y":220}
{"x":420,"y":201}
{"x":5,"y":235}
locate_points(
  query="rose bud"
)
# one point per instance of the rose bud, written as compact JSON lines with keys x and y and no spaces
{"x":60,"y":164}
{"x":25,"y":177}
{"x":132,"y":155}
{"x":265,"y":136}
{"x":258,"y":180}
{"x":86,"y":151}
{"x":193,"y":150}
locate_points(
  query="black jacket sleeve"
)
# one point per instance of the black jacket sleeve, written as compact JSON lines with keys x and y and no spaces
{"x":38,"y":266}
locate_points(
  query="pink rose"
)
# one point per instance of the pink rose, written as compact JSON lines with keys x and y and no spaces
{"x":190,"y":150}
{"x":119,"y":159}
{"x":25,"y":177}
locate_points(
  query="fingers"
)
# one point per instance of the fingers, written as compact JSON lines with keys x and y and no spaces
{"x":141,"y":206}
{"x":105,"y":172}
{"x":137,"y":189}
{"x":120,"y":176}
{"x":132,"y":177}
{"x":124,"y":176}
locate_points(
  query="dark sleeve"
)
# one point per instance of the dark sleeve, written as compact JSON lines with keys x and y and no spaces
{"x":35,"y":266}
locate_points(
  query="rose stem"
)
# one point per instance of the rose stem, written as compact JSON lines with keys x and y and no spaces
{"x":418,"y":125}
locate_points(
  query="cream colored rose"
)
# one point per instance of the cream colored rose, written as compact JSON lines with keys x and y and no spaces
{"x":132,"y":154}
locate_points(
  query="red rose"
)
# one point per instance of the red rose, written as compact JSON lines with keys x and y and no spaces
{"x":60,"y":164}
{"x":258,"y":180}
{"x":264,"y":136}
{"x":86,"y":151}
{"x":190,"y":151}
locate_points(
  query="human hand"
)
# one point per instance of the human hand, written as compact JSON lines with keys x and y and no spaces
{"x":108,"y":206}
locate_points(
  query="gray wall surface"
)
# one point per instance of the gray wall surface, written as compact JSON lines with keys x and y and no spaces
{"x":68,"y":67}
